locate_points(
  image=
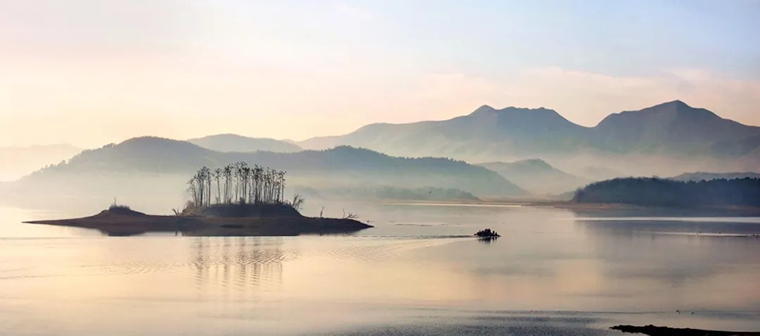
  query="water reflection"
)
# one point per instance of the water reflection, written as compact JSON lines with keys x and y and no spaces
{"x":688,"y":263}
{"x":637,"y":226}
{"x":238,"y":264}
{"x":391,"y":278}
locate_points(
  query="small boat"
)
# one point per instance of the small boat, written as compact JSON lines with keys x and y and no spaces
{"x":487,"y":234}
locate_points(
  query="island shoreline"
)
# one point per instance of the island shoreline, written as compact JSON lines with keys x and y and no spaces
{"x":129,"y":223}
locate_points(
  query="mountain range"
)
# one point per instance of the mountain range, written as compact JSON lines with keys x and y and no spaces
{"x":664,"y":139}
{"x":153,"y":166}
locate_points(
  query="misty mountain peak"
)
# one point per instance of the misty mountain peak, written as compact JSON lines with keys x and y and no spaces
{"x":147,"y":144}
{"x":666,"y":113}
{"x":534,"y":163}
{"x":673,"y":127}
{"x":541,"y":111}
{"x":677,"y":103}
{"x":145,"y":141}
{"x":678,"y":108}
{"x":237,"y":143}
{"x":483,"y":109}
{"x":518,"y":112}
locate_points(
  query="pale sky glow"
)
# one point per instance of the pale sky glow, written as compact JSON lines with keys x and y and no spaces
{"x":92,"y":72}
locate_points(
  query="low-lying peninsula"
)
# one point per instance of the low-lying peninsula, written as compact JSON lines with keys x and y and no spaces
{"x":663,"y":197}
{"x":743,"y":192}
{"x":259,"y":209}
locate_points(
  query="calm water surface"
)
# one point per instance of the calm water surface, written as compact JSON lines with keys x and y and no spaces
{"x":554,"y":272}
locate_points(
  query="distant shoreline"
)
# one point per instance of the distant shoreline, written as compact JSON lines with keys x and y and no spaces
{"x":742,"y":211}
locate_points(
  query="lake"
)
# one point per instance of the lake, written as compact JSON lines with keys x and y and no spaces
{"x":419,"y":271}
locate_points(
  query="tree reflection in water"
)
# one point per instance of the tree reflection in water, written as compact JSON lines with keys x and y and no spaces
{"x":238,"y":264}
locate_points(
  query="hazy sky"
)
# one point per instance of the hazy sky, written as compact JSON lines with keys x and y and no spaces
{"x":90,"y":72}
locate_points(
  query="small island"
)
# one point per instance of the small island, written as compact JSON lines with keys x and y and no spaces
{"x":260,"y":209}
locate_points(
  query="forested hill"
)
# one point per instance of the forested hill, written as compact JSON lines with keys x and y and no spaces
{"x":664,"y":192}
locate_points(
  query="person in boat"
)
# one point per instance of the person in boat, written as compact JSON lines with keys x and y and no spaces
{"x":487,"y":233}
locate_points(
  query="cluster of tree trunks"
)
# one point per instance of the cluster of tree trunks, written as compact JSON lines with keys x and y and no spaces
{"x":237,"y":183}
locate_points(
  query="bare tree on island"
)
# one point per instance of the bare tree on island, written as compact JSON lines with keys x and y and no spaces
{"x":241,"y":184}
{"x":197,"y":187}
{"x":218,"y":173}
{"x":208,"y":176}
